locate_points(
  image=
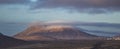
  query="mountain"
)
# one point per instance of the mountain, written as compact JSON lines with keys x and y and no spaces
{"x":53,"y":32}
{"x":6,"y":41}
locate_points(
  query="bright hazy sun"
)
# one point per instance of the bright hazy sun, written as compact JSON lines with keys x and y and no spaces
{"x":33,"y":0}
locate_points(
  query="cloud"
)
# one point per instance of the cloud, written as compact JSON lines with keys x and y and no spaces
{"x":13,"y":1}
{"x":80,"y":3}
{"x":110,"y":5}
{"x":90,"y":6}
{"x":70,"y":3}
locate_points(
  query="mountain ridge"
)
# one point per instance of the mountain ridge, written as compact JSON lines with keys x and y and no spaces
{"x":53,"y":32}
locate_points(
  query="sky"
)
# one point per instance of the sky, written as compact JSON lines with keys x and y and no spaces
{"x":26,"y":11}
{"x":50,"y":10}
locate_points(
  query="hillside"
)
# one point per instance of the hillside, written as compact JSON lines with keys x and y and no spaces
{"x":53,"y":32}
{"x":6,"y":41}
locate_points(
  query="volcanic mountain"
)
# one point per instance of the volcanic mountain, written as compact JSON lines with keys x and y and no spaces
{"x":6,"y":41}
{"x":53,"y":32}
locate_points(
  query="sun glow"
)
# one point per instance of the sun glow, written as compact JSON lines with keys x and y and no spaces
{"x":33,"y":0}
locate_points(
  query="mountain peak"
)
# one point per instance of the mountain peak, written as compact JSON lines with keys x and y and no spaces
{"x":55,"y":28}
{"x":47,"y":28}
{"x":53,"y":32}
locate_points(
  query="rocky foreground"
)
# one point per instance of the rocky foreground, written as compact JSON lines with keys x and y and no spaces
{"x":73,"y":44}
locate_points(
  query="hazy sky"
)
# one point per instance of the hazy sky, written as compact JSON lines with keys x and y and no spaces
{"x":46,"y":10}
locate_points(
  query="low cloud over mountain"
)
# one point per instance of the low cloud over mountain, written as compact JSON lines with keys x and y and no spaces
{"x":53,"y":32}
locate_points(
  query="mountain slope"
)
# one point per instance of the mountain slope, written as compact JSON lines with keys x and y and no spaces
{"x":53,"y":32}
{"x":6,"y":41}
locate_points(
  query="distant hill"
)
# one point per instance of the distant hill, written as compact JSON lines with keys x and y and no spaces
{"x":6,"y":41}
{"x":54,"y":32}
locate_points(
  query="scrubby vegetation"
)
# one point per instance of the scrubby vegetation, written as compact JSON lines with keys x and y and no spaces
{"x":82,"y":44}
